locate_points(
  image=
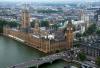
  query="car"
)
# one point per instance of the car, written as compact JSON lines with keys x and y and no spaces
{"x":92,"y":62}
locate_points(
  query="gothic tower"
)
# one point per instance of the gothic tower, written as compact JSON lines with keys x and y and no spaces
{"x":69,"y":35}
{"x":36,"y":27}
{"x":25,"y":19}
{"x":36,"y":24}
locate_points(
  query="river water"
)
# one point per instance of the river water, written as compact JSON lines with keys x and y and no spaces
{"x":13,"y":52}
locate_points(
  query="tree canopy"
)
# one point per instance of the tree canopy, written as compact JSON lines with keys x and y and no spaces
{"x":12,"y":24}
{"x":98,"y":32}
{"x":82,"y":56}
{"x":32,"y":23}
{"x":44,"y":24}
{"x":78,"y":35}
{"x":90,"y":30}
{"x":9,"y":23}
{"x":55,"y":26}
{"x":49,"y":11}
{"x":98,"y":61}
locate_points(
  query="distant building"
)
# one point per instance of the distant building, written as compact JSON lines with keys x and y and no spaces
{"x":97,"y":15}
{"x":91,"y":47}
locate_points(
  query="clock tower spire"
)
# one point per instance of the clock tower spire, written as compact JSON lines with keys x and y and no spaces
{"x":69,"y":34}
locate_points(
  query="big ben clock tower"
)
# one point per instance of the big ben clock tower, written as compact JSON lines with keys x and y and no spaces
{"x":25,"y":19}
{"x":69,"y":35}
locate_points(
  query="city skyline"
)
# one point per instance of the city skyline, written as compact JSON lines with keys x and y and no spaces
{"x":49,"y":33}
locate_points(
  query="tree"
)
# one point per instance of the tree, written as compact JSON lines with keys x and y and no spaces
{"x":91,"y":29}
{"x":82,"y":56}
{"x":4,"y":23}
{"x":77,"y":44}
{"x":32,"y":23}
{"x":12,"y":23}
{"x":78,"y":35}
{"x":55,"y":26}
{"x":98,"y":32}
{"x":1,"y":30}
{"x":44,"y":24}
{"x":49,"y":11}
{"x":98,"y":61}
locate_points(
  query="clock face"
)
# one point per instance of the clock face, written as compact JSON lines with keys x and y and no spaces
{"x":71,"y":28}
{"x":67,"y":28}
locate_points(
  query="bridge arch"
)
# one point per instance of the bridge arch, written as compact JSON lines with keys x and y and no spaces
{"x":32,"y":67}
{"x":47,"y":63}
{"x":56,"y":60}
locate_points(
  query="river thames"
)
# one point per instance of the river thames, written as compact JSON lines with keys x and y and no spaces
{"x":13,"y":52}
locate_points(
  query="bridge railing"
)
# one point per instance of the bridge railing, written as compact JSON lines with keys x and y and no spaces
{"x":40,"y":61}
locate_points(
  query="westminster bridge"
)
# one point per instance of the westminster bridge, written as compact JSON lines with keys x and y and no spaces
{"x":39,"y":61}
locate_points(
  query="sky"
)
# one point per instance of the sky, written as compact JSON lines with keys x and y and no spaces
{"x":50,"y":0}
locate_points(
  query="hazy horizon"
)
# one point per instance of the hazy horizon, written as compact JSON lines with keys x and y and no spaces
{"x":46,"y":1}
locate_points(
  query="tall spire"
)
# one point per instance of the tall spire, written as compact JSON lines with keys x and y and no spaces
{"x":69,"y":21}
{"x":69,"y":34}
{"x":25,"y":17}
{"x":25,"y":5}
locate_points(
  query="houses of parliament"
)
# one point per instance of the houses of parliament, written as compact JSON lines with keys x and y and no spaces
{"x":45,"y":40}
